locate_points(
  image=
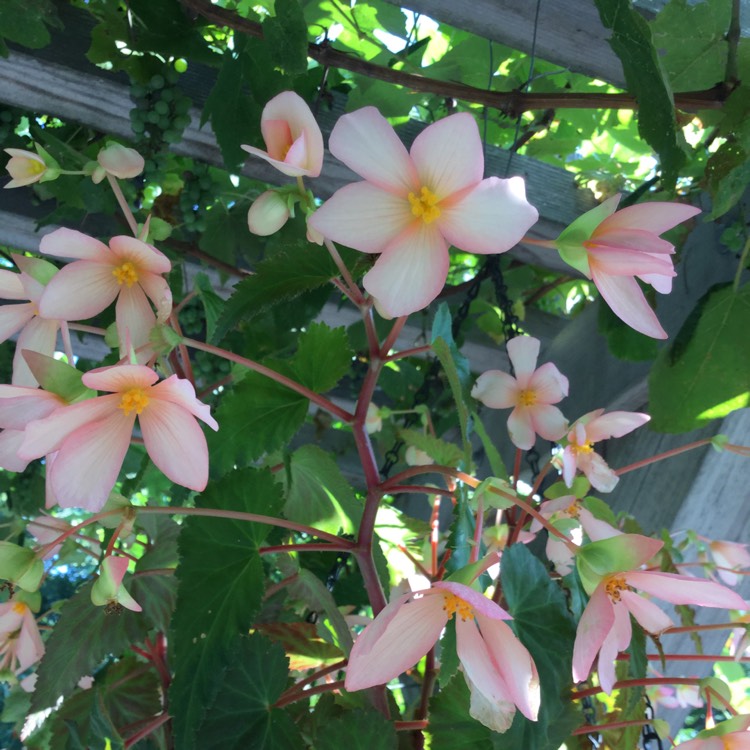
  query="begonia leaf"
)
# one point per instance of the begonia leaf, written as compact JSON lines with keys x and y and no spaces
{"x":286,"y":34}
{"x":323,"y":357}
{"x":358,"y":730}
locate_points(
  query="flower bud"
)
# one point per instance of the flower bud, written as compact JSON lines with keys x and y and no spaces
{"x":108,"y":590}
{"x":268,"y":214}
{"x":25,"y":167}
{"x":119,"y":161}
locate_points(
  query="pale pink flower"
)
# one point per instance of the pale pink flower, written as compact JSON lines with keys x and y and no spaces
{"x":20,"y":643}
{"x":732,"y":555}
{"x":612,"y":249}
{"x":37,"y":333}
{"x":128,"y":270}
{"x":414,"y":205}
{"x":292,"y":136}
{"x":495,"y":662}
{"x":584,"y":433}
{"x":605,"y":627}
{"x":92,"y":437}
{"x":679,"y":696}
{"x":731,"y":734}
{"x":373,"y":420}
{"x":531,"y":393}
{"x":46,"y":529}
{"x":269,"y":212}
{"x":108,"y":590}
{"x":24,"y":167}
{"x":119,"y":161}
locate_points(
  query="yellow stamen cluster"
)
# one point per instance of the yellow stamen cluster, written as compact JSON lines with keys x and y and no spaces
{"x":614,"y":586}
{"x":126,"y":274}
{"x":133,"y":400}
{"x":587,"y":447}
{"x":424,"y":205}
{"x":20,"y":608}
{"x":573,"y":510}
{"x":35,"y":167}
{"x":455,"y":604}
{"x":527,"y":398}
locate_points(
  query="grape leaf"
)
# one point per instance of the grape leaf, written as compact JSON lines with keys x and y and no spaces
{"x":286,"y":34}
{"x":323,"y":357}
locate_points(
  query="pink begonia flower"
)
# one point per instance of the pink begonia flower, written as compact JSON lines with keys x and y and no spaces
{"x":20,"y":405}
{"x":589,"y":429}
{"x":495,"y":662}
{"x":108,"y":590}
{"x":20,"y":642}
{"x":613,"y":248}
{"x":605,"y":627}
{"x":269,"y":212}
{"x":570,"y":517}
{"x":37,"y":333}
{"x":292,"y":136}
{"x":413,"y":205}
{"x":46,"y":529}
{"x":128,"y":270}
{"x":731,"y":734}
{"x":119,"y":161}
{"x":731,"y":555}
{"x":92,"y":437}
{"x":25,"y":167}
{"x":531,"y":393}
{"x":680,"y":696}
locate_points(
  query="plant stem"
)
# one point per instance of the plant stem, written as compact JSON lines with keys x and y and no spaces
{"x":662,"y":456}
{"x":424,"y":489}
{"x":306,"y":547}
{"x":67,"y":344}
{"x":596,"y":728}
{"x":355,"y":295}
{"x":409,"y":352}
{"x":643,"y":682}
{"x":696,"y":628}
{"x":285,"y":700}
{"x":321,"y":401}
{"x":148,"y":729}
{"x":124,"y":207}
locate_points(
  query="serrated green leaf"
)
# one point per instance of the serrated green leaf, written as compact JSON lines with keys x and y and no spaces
{"x":25,"y":22}
{"x":323,"y":357}
{"x":451,"y":727}
{"x":633,"y":44}
{"x":461,"y":533}
{"x":707,"y":375}
{"x":212,"y":303}
{"x":358,"y":730}
{"x":497,"y":465}
{"x":241,"y":716}
{"x":544,"y":625}
{"x":727,"y":175}
{"x":318,"y":495}
{"x":258,"y":416}
{"x":278,"y":279}
{"x":221,"y":585}
{"x":286,"y":34}
{"x":440,"y":451}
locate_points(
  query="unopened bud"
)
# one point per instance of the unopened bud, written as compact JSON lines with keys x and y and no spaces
{"x":268,"y":214}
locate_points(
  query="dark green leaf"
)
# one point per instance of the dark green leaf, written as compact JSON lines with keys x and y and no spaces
{"x":632,"y":43}
{"x":706,"y":374}
{"x":358,"y":730}
{"x":727,"y":175}
{"x":323,"y":357}
{"x":221,"y":588}
{"x":241,"y":716}
{"x":440,"y":451}
{"x":451,"y":726}
{"x":497,"y":465}
{"x":258,"y":416}
{"x":212,"y":303}
{"x":286,"y":34}
{"x":624,"y":342}
{"x":26,"y":21}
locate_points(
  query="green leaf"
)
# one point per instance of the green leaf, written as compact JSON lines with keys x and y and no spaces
{"x":692,"y":44}
{"x":258,"y":416}
{"x":727,"y":176}
{"x":25,"y":22}
{"x":704,"y":374}
{"x":286,"y":34}
{"x":323,"y":357}
{"x":277,"y":280}
{"x":497,"y":465}
{"x":212,"y":303}
{"x":221,"y":585}
{"x":451,"y":727}
{"x":544,"y":625}
{"x":241,"y":715}
{"x":624,"y":342}
{"x":633,"y":44}
{"x":440,"y":451}
{"x":318,"y":495}
{"x":456,"y":368}
{"x":358,"y":730}
{"x":461,"y":534}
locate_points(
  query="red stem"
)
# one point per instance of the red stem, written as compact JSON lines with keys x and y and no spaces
{"x":596,"y":728}
{"x":327,"y":687}
{"x":409,"y":352}
{"x":148,"y":729}
{"x":306,"y":547}
{"x":643,"y":682}
{"x":662,"y":456}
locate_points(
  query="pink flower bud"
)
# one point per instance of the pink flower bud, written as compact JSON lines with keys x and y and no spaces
{"x":268,"y":214}
{"x":25,"y":167}
{"x":119,"y":161}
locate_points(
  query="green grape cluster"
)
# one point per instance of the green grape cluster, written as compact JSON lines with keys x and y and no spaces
{"x":158,"y":119}
{"x":207,"y":367}
{"x":196,"y":197}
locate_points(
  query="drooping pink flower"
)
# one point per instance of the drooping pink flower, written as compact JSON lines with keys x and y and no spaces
{"x":589,"y":429}
{"x":108,"y":590}
{"x":612,"y":249}
{"x":732,"y":734}
{"x":292,"y":136}
{"x":20,"y":643}
{"x":37,"y":333}
{"x":605,"y":627}
{"x":413,"y":205}
{"x":129,"y":271}
{"x":495,"y":662}
{"x":119,"y":161}
{"x":729,"y":557}
{"x":531,"y":393}
{"x":24,"y":167}
{"x":46,"y":529}
{"x":92,"y":437}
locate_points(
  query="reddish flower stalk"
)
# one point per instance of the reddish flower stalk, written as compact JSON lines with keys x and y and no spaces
{"x":661,"y":456}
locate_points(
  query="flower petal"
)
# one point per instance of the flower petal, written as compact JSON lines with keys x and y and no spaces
{"x":364,"y":217}
{"x":618,"y":639}
{"x":548,"y":421}
{"x":596,"y":622}
{"x":158,"y":291}
{"x":626,"y":300}
{"x":652,"y":618}
{"x":678,"y":589}
{"x":89,"y":460}
{"x":118,"y":378}
{"x":614,"y":424}
{"x":10,"y":443}
{"x":616,"y":262}
{"x":523,"y":352}
{"x":146,"y":257}
{"x":448,"y":155}
{"x":492,"y":218}
{"x":11,"y":286}
{"x":134,"y":316}
{"x":176,"y":443}
{"x":412,"y":628}
{"x":30,"y":648}
{"x":598,"y":472}
{"x":38,"y":335}
{"x":181,"y":392}
{"x":277,"y":136}
{"x":477,"y":601}
{"x":633,"y":239}
{"x":549,"y":384}
{"x":521,"y":428}
{"x":654,"y":217}
{"x":13,"y":318}
{"x":410,"y":273}
{"x":79,"y":291}
{"x":496,"y":389}
{"x":365,"y":141}
{"x":68,"y":243}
